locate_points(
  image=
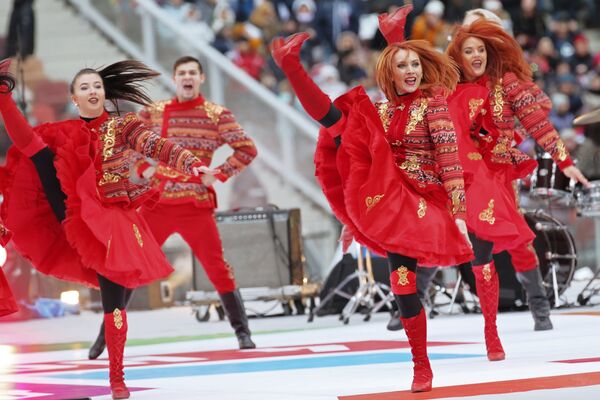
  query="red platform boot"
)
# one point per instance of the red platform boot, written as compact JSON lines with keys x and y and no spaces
{"x":115,"y":325}
{"x":416,"y":331}
{"x":487,"y":282}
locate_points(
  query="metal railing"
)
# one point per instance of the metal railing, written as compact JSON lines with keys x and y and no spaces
{"x":285,"y":138}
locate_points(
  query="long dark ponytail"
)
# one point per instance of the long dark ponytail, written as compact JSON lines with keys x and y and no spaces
{"x":122,"y":81}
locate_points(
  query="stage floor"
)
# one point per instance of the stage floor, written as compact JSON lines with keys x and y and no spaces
{"x":172,"y":356}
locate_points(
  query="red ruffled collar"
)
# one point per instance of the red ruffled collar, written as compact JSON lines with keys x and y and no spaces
{"x":97,"y":122}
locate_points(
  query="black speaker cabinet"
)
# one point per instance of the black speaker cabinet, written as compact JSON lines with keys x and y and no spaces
{"x":264,"y":248}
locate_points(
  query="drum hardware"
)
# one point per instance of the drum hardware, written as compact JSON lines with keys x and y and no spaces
{"x":549,"y":182}
{"x":541,"y":226}
{"x":364,"y":295}
{"x":554,"y":256}
{"x":591,"y":117}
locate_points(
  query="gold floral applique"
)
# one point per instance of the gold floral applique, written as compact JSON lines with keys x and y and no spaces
{"x":118,"y":318}
{"x":562,"y":151}
{"x":422,"y":208}
{"x":487,"y":215}
{"x":487,"y":272}
{"x":107,"y":178}
{"x":474,"y":156}
{"x":372,"y":201}
{"x":416,"y":116}
{"x":108,"y":139}
{"x":384,"y":116}
{"x":498,"y":100}
{"x":473,"y":105}
{"x":411,"y":164}
{"x":138,"y":235}
{"x":213,"y":111}
{"x":455,"y":202}
{"x":402,"y":276}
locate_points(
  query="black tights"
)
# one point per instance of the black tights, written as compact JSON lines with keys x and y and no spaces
{"x":113,"y":295}
{"x":408,"y":304}
{"x":482,"y":249}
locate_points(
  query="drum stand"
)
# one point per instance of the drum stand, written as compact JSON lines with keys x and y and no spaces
{"x":364,"y":295}
{"x":584,"y":297}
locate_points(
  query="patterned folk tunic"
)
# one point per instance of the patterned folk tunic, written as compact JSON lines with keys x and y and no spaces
{"x":512,"y":99}
{"x":201,"y":127}
{"x":422,"y":137}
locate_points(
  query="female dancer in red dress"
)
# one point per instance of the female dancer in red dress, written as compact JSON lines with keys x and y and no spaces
{"x":492,"y":61}
{"x":69,"y":201}
{"x":390,"y":170}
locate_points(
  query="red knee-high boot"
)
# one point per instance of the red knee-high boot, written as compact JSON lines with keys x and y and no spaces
{"x":115,"y":332}
{"x":486,"y":279}
{"x":416,"y":331}
{"x":286,"y":53}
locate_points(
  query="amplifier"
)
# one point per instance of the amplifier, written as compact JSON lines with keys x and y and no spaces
{"x":264,"y":248}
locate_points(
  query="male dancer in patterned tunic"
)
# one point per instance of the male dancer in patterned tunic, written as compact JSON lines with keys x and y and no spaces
{"x":187,"y":203}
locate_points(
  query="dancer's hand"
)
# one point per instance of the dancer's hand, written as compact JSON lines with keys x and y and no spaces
{"x":290,"y":46}
{"x":574,"y":173}
{"x":462,"y":227}
{"x":203,"y":169}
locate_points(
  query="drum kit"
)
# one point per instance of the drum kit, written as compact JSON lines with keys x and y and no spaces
{"x":554,"y":244}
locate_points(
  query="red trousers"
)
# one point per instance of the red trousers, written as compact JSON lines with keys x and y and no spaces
{"x":197,"y":226}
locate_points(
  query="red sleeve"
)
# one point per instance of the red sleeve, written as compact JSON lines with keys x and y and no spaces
{"x":532,"y":111}
{"x":244,"y":150}
{"x":443,"y":135}
{"x":146,"y":142}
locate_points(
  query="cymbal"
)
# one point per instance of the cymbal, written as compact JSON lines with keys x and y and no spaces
{"x":591,"y":117}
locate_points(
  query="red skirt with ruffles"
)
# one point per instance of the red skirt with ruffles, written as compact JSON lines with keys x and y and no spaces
{"x":381,"y":203}
{"x":8,"y":305}
{"x":96,"y":237}
{"x":491,"y":211}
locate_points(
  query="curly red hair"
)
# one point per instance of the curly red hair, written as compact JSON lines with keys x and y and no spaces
{"x":503,"y":52}
{"x":439,"y":71}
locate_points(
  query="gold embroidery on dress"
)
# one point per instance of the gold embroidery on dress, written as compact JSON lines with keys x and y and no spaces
{"x":500,"y":147}
{"x":171,"y":173}
{"x":422,"y":208}
{"x":487,"y":272}
{"x":118,"y":318}
{"x":562,"y":151}
{"x":498,"y":101}
{"x":416,"y":116}
{"x":473,"y":105}
{"x":213,"y":111}
{"x":109,"y":139}
{"x":372,"y":201}
{"x":382,"y":110}
{"x":474,"y":156}
{"x":411,"y":164}
{"x":401,"y":107}
{"x":138,"y":235}
{"x":455,"y":201}
{"x":107,"y":177}
{"x":487,"y":215}
{"x":402,"y":276}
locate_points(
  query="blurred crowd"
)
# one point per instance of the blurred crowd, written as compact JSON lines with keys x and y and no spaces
{"x":345,"y":42}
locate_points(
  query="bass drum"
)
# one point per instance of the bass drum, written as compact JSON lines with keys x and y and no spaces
{"x":554,"y":245}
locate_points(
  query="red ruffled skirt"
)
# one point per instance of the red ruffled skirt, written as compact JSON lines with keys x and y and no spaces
{"x":95,"y":238}
{"x":381,"y":203}
{"x":8,"y":305}
{"x":491,"y":211}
